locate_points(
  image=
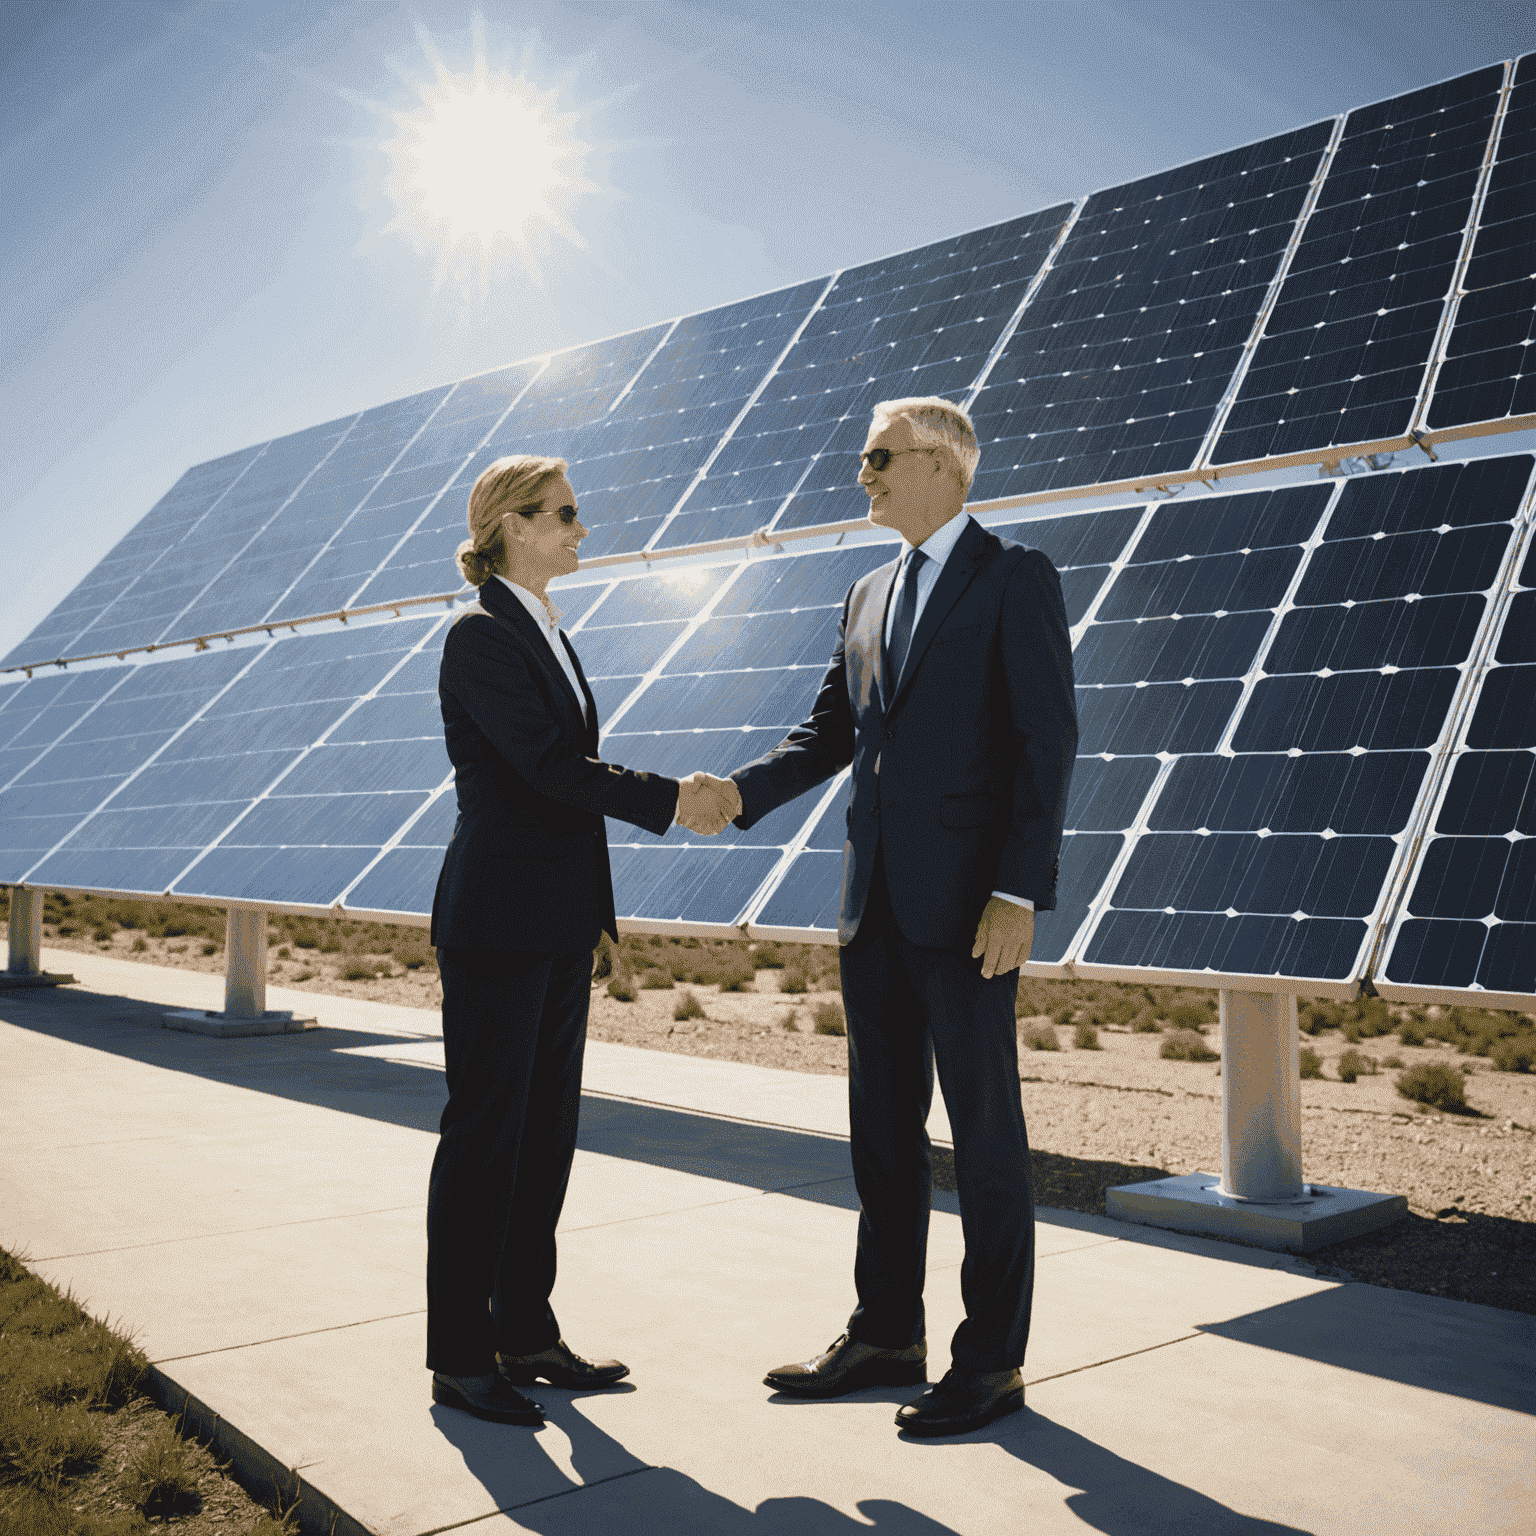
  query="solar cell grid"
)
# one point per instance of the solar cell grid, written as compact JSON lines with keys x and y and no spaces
{"x":1469,"y":917}
{"x":920,"y":323}
{"x":1487,"y":372}
{"x":1268,"y":847}
{"x":746,"y":673}
{"x":117,"y":722}
{"x":62,"y":632}
{"x":1125,"y":352}
{"x":1343,"y":354}
{"x":295,"y":573}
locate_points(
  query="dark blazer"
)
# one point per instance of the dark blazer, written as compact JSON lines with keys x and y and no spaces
{"x":527,"y":866}
{"x":962,"y":785}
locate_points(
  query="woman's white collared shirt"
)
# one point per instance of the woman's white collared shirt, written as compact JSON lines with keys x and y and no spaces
{"x":548,"y":620}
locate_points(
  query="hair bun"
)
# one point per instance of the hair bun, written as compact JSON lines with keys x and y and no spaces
{"x":475,"y":566}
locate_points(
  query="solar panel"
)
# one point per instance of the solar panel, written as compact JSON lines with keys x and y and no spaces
{"x":1120,"y":361}
{"x":1469,"y":918}
{"x":180,"y":510}
{"x":1343,"y":354}
{"x":920,"y":323}
{"x":1487,"y":371}
{"x":255,"y":746}
{"x":1269,"y":680}
{"x":1276,"y":825}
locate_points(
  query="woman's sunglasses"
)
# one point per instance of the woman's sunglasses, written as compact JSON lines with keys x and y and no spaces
{"x":567,"y":515}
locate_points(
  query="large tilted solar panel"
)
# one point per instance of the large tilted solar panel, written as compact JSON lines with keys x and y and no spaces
{"x":1489,"y":371}
{"x":1469,"y":918}
{"x":1121,"y":360}
{"x":1344,"y":351}
{"x":1293,"y":761}
{"x":1121,"y":366}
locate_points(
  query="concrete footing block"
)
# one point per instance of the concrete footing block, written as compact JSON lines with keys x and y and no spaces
{"x":223,"y":1026}
{"x":9,"y":979}
{"x":1193,"y":1203}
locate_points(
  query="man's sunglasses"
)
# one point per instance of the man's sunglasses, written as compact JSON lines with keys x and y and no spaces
{"x":878,"y":458}
{"x":567,"y":515}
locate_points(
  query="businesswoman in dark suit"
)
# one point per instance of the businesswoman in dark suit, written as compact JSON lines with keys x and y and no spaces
{"x":523,"y":895}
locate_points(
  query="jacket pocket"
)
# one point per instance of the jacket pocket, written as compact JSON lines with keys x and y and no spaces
{"x":965,"y":810}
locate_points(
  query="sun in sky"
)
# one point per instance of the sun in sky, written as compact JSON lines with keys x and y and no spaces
{"x":486,"y":166}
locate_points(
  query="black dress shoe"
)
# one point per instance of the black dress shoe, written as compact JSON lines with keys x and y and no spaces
{"x":560,"y":1366}
{"x":499,"y":1401}
{"x":848,"y":1366}
{"x":960,"y":1402}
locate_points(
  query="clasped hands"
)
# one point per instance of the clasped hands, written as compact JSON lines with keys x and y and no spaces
{"x":706,"y":804}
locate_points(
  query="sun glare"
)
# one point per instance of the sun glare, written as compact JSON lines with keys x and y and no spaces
{"x":486,"y":159}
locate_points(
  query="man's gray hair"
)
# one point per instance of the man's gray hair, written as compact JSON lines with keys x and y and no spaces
{"x":937,"y":423}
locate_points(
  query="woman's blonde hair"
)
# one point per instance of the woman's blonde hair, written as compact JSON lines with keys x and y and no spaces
{"x":512,"y":484}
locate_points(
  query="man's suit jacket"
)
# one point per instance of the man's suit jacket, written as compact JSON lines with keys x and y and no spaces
{"x":962,"y":784}
{"x":527,"y":866}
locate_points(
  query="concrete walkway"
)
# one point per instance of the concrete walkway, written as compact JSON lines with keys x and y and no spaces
{"x":253,"y":1210}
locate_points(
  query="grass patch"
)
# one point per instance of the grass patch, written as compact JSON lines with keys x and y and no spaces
{"x":82,"y":1452}
{"x":622,"y":989}
{"x":1354,"y":1064}
{"x":688,"y":1007}
{"x":1436,"y":1085}
{"x":1186,"y":1045}
{"x":657,"y":981}
{"x":1042,"y":1038}
{"x":1086,"y":1038}
{"x":829,"y":1019}
{"x":793,"y":979}
{"x":1311,"y":1062}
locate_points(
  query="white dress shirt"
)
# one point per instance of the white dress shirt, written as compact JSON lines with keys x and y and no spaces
{"x":549,"y":626}
{"x":938,"y":546}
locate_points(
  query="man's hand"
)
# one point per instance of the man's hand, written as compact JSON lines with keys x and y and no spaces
{"x":1004,"y":937}
{"x":706,"y":804}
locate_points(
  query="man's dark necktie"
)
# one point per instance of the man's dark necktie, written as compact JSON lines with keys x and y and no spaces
{"x":901,"y":628}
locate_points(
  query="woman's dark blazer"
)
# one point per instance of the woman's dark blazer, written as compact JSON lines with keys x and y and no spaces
{"x":527,"y":866}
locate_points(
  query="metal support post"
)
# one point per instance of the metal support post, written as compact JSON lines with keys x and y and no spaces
{"x":1260,"y":1097}
{"x":245,"y":987}
{"x":245,"y":963}
{"x":1260,"y":1197}
{"x":26,"y":932}
{"x":25,"y":967}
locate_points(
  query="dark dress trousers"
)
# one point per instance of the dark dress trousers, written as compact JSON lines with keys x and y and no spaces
{"x":959,"y":789}
{"x":524,"y":893}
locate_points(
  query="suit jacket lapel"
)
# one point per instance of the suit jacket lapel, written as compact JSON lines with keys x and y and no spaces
{"x":963,"y":563}
{"x":586,"y":688}
{"x":508,"y":607}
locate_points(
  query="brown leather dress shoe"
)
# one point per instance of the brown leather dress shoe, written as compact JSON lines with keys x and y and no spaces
{"x":560,"y":1366}
{"x":848,"y":1366}
{"x":963,"y":1401}
{"x":487,"y":1398}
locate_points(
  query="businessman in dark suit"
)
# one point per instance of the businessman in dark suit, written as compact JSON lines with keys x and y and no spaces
{"x":524,"y":893}
{"x":951,"y":693}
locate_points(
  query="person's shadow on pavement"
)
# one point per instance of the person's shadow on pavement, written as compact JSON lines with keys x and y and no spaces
{"x":619,"y":1492}
{"x":1116,"y":1496}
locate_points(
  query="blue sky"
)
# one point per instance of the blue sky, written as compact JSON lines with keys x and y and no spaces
{"x":197,"y":253}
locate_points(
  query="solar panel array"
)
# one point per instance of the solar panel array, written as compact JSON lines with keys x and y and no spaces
{"x":1282,"y":691}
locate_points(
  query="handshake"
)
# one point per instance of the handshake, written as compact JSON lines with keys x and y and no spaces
{"x":705,"y":804}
